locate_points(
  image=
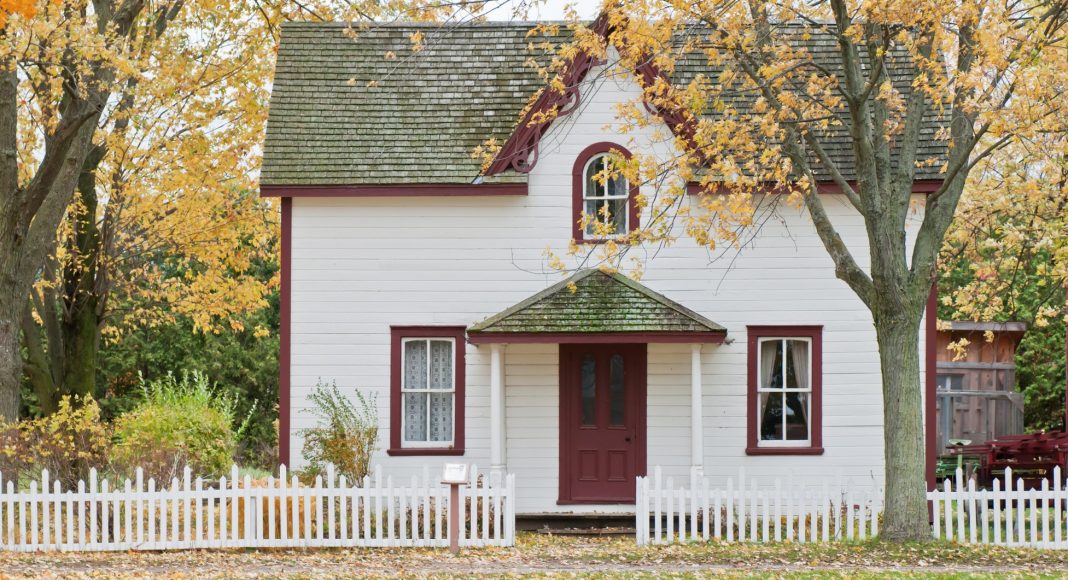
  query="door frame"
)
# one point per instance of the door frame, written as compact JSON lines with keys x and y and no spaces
{"x":567,"y":384}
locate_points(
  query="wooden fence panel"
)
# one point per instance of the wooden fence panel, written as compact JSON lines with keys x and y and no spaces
{"x":239,"y":512}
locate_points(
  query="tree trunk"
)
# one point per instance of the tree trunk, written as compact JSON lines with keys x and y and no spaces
{"x":905,"y":512}
{"x":81,"y":322}
{"x":82,"y":339}
{"x":10,"y":360}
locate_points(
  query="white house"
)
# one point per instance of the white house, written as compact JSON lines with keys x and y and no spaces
{"x":411,"y":274}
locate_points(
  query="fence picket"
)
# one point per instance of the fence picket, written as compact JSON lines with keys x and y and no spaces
{"x":962,"y":498}
{"x":1021,"y":528}
{"x":971,"y":511}
{"x":1044,"y":503}
{"x":997,"y":511}
{"x":670,"y":519}
{"x":1032,"y":507}
{"x":948,"y":505}
{"x":1057,"y":505}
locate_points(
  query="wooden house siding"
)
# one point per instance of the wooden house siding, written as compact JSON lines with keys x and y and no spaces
{"x":360,"y":265}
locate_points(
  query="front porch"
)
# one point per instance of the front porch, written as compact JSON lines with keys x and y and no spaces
{"x":591,"y":381}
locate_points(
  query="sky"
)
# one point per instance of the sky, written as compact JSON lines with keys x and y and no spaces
{"x":549,"y":9}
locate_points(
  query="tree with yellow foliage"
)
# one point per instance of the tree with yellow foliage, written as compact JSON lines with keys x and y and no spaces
{"x":883,"y":68}
{"x":151,"y":112}
{"x":59,"y":69}
{"x":165,"y":221}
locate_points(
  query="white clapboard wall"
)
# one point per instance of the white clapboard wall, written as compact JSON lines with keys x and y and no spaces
{"x":240,"y":512}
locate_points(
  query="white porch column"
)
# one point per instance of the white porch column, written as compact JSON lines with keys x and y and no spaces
{"x":497,"y":458}
{"x":697,"y":440}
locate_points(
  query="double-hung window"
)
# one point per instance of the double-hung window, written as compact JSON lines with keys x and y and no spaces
{"x":785,"y":390}
{"x":427,"y":390}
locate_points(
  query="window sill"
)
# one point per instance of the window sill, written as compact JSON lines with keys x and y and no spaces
{"x":595,"y":502}
{"x":784,"y":450}
{"x":594,"y":241}
{"x":415,"y":451}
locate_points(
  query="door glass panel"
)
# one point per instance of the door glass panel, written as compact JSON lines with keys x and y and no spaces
{"x":616,"y":390}
{"x":589,"y":390}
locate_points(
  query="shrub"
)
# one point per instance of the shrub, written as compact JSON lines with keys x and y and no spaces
{"x":178,"y":423}
{"x":346,"y":436}
{"x":68,"y":443}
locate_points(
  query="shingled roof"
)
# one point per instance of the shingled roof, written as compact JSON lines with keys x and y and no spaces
{"x":341,"y":113}
{"x":598,"y":302}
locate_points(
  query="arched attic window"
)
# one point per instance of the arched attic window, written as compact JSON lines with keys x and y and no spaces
{"x":602,"y":193}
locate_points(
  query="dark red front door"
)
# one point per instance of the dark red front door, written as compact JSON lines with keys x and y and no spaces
{"x":602,"y":422}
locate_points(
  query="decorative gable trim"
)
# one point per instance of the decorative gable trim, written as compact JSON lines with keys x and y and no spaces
{"x":520,"y":152}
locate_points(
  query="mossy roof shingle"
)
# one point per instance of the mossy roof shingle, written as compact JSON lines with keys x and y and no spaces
{"x":599,"y":302}
{"x":430,"y":109}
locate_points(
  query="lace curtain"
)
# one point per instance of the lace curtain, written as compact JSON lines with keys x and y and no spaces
{"x":415,"y":378}
{"x":441,"y":378}
{"x":428,"y":415}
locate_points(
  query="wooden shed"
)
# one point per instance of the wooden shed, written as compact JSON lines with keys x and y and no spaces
{"x":977,"y":396}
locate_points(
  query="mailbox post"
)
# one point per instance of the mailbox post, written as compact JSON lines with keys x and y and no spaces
{"x":455,"y":475}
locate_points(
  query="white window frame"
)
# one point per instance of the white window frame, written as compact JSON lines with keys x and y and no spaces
{"x":603,"y":196}
{"x":406,"y":443}
{"x":761,"y":442}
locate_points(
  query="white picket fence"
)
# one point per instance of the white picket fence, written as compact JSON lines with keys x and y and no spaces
{"x":242,"y":513}
{"x":1005,"y":515}
{"x":798,"y":511}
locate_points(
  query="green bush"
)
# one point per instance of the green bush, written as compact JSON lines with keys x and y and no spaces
{"x":178,"y":423}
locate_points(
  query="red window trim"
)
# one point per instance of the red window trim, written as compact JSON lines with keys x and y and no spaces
{"x":755,"y":333}
{"x":397,"y":333}
{"x":577,"y":179}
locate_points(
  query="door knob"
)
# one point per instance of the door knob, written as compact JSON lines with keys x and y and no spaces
{"x":627,"y":439}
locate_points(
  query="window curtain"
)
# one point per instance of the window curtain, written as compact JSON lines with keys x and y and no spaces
{"x":770,"y":403}
{"x":415,"y":404}
{"x":768,"y":350}
{"x":799,"y":356}
{"x":441,"y":378}
{"x":802,"y":374}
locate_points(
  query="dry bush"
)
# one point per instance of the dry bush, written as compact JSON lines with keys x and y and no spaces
{"x":346,"y":436}
{"x":68,"y":443}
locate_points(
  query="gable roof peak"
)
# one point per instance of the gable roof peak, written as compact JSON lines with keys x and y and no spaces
{"x":592,"y":301}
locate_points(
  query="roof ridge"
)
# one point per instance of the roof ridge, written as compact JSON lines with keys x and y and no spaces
{"x":420,"y":24}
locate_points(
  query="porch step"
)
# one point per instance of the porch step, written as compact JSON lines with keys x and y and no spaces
{"x":587,"y":531}
{"x":577,"y":524}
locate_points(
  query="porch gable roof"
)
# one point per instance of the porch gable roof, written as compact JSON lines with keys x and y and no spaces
{"x":595,"y":306}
